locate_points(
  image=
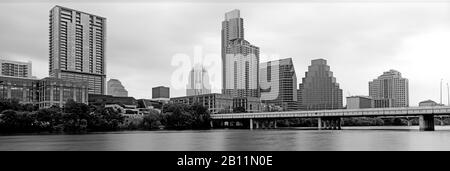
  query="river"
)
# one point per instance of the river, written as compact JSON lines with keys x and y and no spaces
{"x":288,"y":139}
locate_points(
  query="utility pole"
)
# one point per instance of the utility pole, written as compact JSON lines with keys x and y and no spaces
{"x":448,"y":95}
{"x":440,"y":93}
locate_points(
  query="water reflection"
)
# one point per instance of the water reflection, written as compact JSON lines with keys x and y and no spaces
{"x":357,"y":138}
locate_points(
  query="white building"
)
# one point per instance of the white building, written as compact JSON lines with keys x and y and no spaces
{"x":198,"y":82}
{"x":15,"y":68}
{"x":390,"y":86}
{"x":359,"y":102}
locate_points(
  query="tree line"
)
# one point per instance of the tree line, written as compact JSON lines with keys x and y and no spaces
{"x":77,"y":117}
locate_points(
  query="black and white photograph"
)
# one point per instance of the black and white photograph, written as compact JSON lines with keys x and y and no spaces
{"x":218,"y":75}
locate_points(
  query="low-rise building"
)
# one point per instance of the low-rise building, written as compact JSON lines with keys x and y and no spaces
{"x":216,"y":103}
{"x":359,"y":102}
{"x":102,"y":100}
{"x":429,"y":103}
{"x":251,"y":104}
{"x":45,"y":92}
{"x":221,"y":103}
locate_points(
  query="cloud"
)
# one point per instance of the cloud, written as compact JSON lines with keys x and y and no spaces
{"x":359,"y":40}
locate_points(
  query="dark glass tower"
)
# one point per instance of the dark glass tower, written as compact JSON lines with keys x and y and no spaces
{"x":278,"y":83}
{"x":319,"y":89}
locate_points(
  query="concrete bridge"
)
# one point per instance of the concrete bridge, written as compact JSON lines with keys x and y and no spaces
{"x":331,"y":119}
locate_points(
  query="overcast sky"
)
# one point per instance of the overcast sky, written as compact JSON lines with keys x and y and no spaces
{"x":359,"y":40}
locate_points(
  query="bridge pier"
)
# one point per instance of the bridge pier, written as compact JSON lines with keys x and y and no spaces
{"x":329,"y":123}
{"x":319,"y":123}
{"x":251,"y":124}
{"x":426,"y":122}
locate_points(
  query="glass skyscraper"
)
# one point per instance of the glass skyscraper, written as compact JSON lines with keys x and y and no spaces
{"x":278,"y":82}
{"x":240,"y":59}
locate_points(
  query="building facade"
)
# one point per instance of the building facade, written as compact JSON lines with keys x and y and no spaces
{"x":15,"y":68}
{"x":56,"y":92}
{"x":216,"y":103}
{"x":250,"y":104}
{"x":101,"y":100}
{"x":240,"y":59}
{"x":45,"y":92}
{"x":161,"y":93}
{"x":319,"y":89}
{"x":221,"y":103}
{"x":198,"y":82}
{"x":115,"y":88}
{"x":429,"y":103}
{"x":391,"y":89}
{"x":359,"y":102}
{"x":278,"y":82}
{"x":77,"y":47}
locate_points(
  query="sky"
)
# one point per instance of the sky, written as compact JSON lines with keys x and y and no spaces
{"x":155,"y":43}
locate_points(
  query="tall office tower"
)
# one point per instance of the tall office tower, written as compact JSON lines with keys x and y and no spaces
{"x":15,"y":68}
{"x":115,"y":88}
{"x":198,"y":82}
{"x":390,"y":90}
{"x":278,"y":82}
{"x":240,"y":59}
{"x":319,"y":89}
{"x":77,"y":47}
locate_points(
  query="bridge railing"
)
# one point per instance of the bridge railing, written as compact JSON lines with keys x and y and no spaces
{"x":404,"y":111}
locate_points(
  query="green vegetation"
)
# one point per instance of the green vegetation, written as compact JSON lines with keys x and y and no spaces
{"x":78,"y":117}
{"x":74,"y":117}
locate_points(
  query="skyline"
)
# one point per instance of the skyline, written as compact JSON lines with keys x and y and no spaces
{"x":262,"y":33}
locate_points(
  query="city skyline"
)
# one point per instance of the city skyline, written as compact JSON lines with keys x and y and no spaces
{"x":256,"y":31}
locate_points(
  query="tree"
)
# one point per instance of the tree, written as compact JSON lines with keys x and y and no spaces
{"x":75,"y":116}
{"x":152,"y":120}
{"x":12,"y":121}
{"x":200,"y":117}
{"x":49,"y":119}
{"x":105,"y":119}
{"x":177,"y":116}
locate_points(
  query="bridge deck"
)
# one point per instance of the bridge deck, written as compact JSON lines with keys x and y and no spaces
{"x":371,"y":112}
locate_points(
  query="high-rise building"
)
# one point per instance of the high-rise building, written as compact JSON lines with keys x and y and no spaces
{"x":198,"y":82}
{"x":278,"y":82}
{"x":240,"y":59}
{"x":15,"y":68}
{"x":115,"y":88}
{"x":161,"y":93}
{"x":319,"y":89}
{"x":391,"y":89}
{"x":77,"y":47}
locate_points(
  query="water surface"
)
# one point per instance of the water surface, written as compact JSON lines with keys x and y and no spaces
{"x":350,"y":138}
